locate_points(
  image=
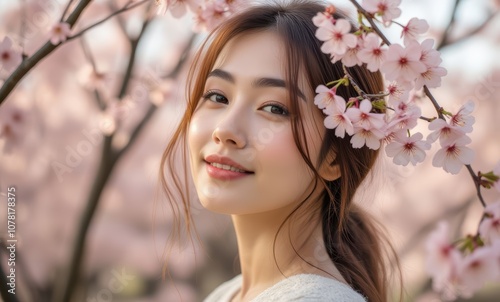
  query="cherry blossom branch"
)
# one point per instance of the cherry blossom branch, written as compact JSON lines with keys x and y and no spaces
{"x":445,"y":42}
{"x":126,"y":7}
{"x":30,"y":62}
{"x":437,"y":107}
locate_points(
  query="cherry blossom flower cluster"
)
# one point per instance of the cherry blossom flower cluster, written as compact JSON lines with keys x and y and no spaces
{"x":208,"y":13}
{"x":390,"y":116}
{"x":460,"y":268}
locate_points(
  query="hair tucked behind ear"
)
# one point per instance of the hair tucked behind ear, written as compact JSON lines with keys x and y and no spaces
{"x":351,"y":237}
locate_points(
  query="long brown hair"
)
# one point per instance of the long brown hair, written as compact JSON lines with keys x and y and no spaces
{"x":352,"y":238}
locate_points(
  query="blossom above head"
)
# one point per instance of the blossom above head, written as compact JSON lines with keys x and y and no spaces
{"x":59,"y":32}
{"x":403,"y":63}
{"x":372,"y":53}
{"x":9,"y":58}
{"x":336,"y":37}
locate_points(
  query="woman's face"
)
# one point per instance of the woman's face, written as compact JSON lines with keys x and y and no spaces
{"x":243,"y":156}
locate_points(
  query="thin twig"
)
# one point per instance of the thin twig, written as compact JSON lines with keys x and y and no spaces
{"x":449,"y":27}
{"x":477,"y":183}
{"x":88,"y":54}
{"x":65,"y":10}
{"x":434,"y":102}
{"x":123,"y":9}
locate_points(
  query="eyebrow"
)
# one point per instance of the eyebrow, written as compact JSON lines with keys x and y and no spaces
{"x":260,"y":82}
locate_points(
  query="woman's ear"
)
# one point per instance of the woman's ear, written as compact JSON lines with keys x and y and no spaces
{"x":329,"y":169}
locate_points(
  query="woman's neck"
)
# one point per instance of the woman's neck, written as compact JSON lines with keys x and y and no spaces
{"x":267,"y":258}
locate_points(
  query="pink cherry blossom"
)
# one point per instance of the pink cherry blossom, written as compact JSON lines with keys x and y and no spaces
{"x":351,"y":57}
{"x":388,"y":9}
{"x":445,"y":132}
{"x":406,"y":149}
{"x":405,"y":117}
{"x":414,"y":28}
{"x":430,"y":78}
{"x":490,"y":226}
{"x":363,"y":117}
{"x":454,"y":155}
{"x":337,"y":119}
{"x":326,"y":96}
{"x":403,"y":63}
{"x":9,"y":58}
{"x":372,"y":52}
{"x":442,"y":258}
{"x":336,"y":37}
{"x":463,"y":117}
{"x":430,"y":56}
{"x":369,"y":137}
{"x":398,"y":91}
{"x":478,"y":268}
{"x":321,"y":18}
{"x":59,"y":32}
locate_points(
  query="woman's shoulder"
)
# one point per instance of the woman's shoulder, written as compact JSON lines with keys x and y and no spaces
{"x":310,"y":287}
{"x":302,"y":287}
{"x":225,"y":291}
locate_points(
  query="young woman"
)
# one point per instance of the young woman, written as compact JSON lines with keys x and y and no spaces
{"x":258,"y":151}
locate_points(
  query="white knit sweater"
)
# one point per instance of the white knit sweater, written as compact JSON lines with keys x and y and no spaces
{"x":304,"y":287}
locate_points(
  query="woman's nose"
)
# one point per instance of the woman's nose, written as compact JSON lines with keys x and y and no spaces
{"x":228,"y":130}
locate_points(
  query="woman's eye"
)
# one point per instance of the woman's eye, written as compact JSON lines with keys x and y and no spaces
{"x":215,"y":97}
{"x":275,"y":109}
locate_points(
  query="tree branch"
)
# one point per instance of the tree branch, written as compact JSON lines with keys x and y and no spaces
{"x":29,"y":63}
{"x":449,"y":27}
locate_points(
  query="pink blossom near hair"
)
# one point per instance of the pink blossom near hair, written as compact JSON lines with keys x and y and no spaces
{"x":372,"y":53}
{"x":362,"y":117}
{"x":404,"y":149}
{"x":403,"y":64}
{"x":337,"y":119}
{"x":325,"y":96}
{"x":336,"y":37}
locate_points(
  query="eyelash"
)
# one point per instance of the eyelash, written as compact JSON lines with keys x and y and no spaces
{"x":207,"y":95}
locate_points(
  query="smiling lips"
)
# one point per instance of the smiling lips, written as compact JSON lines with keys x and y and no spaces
{"x":224,"y":168}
